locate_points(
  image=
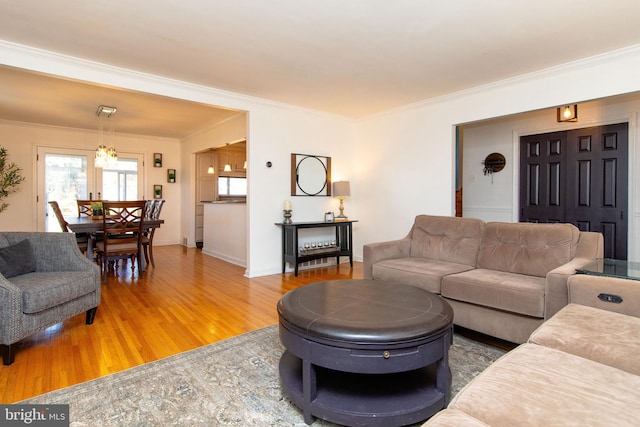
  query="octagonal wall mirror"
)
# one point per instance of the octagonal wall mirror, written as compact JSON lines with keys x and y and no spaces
{"x":310,"y":175}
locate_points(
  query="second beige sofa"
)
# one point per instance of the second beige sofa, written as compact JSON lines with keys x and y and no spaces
{"x":502,"y":279}
{"x":580,"y":368}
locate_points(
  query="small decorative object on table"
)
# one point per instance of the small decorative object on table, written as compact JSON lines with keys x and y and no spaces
{"x":287,"y":212}
{"x":328,"y":217}
{"x":96,"y":208}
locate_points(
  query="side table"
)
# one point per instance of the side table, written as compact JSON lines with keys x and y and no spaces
{"x":365,"y":352}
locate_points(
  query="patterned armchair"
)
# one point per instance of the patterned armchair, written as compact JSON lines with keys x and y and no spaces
{"x":44,"y":279}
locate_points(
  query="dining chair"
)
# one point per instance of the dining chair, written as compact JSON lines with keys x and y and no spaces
{"x":82,"y":238}
{"x":84,"y":207}
{"x":122,"y":225}
{"x":153,"y":212}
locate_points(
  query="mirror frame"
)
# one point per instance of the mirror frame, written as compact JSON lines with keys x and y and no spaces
{"x":298,"y":176}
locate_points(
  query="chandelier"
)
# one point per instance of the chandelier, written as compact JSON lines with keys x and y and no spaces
{"x":105,"y":157}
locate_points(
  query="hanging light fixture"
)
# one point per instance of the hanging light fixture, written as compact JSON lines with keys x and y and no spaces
{"x":211,"y":170}
{"x":105,"y":157}
{"x":227,"y":167}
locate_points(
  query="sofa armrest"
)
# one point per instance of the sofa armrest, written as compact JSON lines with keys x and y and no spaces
{"x":590,"y":246}
{"x":584,"y":290}
{"x":376,"y":252}
{"x":10,"y":310}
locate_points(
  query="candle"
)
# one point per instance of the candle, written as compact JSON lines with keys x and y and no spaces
{"x":287,"y":205}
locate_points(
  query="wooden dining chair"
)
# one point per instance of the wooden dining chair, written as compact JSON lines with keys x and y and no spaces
{"x":122,"y":225}
{"x":84,"y":207}
{"x":154,"y":207}
{"x":82,"y":239}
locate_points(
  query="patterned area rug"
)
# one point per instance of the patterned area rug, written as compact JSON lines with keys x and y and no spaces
{"x":228,"y":383}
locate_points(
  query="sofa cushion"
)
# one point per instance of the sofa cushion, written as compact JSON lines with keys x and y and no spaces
{"x":3,"y":241}
{"x":17,"y":259}
{"x":599,"y":335}
{"x":516,"y":293}
{"x":41,"y":291}
{"x":420,"y":272}
{"x":527,"y":248}
{"x":448,"y":239}
{"x":539,"y":386}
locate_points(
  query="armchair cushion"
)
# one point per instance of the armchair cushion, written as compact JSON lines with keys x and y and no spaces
{"x":41,"y":291}
{"x":17,"y":259}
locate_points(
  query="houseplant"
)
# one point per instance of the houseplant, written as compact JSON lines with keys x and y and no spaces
{"x":10,"y":178}
{"x":96,"y":207}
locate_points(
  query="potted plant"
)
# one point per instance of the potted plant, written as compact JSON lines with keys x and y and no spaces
{"x":96,"y":207}
{"x":10,"y":177}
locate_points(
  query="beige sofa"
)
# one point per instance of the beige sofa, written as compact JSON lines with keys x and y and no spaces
{"x":502,"y":279}
{"x":579,"y":368}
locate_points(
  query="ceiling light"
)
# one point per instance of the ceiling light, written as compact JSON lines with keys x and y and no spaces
{"x":227,"y":167}
{"x":105,"y":157}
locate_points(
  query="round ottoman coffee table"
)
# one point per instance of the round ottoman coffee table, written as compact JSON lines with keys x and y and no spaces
{"x":365,"y":352}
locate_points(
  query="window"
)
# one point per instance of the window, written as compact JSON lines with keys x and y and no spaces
{"x":120,"y":182}
{"x":232,"y":187}
{"x":68,"y":174}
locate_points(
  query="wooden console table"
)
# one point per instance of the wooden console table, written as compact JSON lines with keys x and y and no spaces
{"x":290,"y":248}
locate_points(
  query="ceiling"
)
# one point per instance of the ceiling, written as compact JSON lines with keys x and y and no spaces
{"x":352,"y":58}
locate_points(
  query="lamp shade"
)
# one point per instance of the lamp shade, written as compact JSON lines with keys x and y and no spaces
{"x":341,"y":189}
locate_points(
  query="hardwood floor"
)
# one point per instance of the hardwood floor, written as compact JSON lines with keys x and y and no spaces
{"x":188,"y":300}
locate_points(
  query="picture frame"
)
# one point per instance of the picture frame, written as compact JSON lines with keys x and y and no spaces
{"x":157,"y":160}
{"x":157,"y":191}
{"x":171,"y":176}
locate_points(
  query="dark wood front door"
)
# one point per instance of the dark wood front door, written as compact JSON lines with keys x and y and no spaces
{"x":580,"y":177}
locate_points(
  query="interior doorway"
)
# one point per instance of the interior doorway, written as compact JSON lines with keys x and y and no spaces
{"x":578,"y":176}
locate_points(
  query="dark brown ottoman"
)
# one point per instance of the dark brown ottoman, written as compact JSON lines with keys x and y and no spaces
{"x":365,"y":352}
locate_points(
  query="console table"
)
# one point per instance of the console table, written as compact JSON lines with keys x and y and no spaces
{"x":290,"y":248}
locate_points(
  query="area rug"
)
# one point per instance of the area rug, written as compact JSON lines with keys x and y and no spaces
{"x":229,"y":383}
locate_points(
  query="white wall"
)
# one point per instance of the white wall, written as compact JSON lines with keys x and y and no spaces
{"x":21,"y":140}
{"x":405,"y":157}
{"x":274,"y":133}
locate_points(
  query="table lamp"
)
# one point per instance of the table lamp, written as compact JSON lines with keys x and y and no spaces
{"x":341,"y":189}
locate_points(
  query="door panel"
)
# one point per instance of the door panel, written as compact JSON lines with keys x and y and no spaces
{"x":597,"y":184}
{"x":541,"y":177}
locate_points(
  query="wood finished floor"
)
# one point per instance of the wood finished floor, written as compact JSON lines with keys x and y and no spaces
{"x":188,"y":300}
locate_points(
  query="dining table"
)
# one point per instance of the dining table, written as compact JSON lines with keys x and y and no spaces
{"x":92,"y":226}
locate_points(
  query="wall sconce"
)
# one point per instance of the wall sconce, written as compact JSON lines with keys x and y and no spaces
{"x":341,"y":189}
{"x":568,"y":113}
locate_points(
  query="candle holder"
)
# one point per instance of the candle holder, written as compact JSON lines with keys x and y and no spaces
{"x":287,"y":216}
